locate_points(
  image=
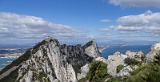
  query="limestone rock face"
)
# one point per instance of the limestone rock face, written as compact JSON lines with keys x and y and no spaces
{"x":49,"y":61}
{"x":125,"y":71}
{"x":101,"y":59}
{"x":135,"y":55}
{"x":113,"y":61}
{"x":155,"y":49}
{"x":119,"y":59}
{"x":84,"y":71}
{"x":92,"y":50}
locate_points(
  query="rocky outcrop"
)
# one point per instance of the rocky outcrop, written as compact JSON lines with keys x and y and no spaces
{"x":135,"y":55}
{"x":101,"y":59}
{"x":91,"y":49}
{"x":49,"y":61}
{"x":125,"y":71}
{"x":155,"y":49}
{"x":119,"y":59}
{"x":113,"y":61}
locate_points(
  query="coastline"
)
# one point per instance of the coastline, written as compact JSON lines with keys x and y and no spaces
{"x":10,"y":55}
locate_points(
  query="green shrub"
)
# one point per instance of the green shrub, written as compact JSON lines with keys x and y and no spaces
{"x":157,"y":59}
{"x":119,"y":68}
{"x":131,"y":61}
{"x":98,"y":70}
{"x":143,"y":57}
{"x":115,"y":79}
{"x":149,"y":72}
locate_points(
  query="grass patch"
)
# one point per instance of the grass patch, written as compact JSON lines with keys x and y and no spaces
{"x":119,"y":68}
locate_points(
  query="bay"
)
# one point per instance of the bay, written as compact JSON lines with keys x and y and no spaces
{"x":5,"y":61}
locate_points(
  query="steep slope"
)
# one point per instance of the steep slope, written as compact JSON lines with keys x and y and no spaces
{"x":49,"y":61}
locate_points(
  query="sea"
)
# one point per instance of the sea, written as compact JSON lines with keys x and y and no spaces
{"x":5,"y":61}
{"x":123,"y":49}
{"x":108,"y":51}
{"x":6,"y":51}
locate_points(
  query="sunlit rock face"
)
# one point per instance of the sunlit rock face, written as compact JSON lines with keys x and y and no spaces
{"x":155,"y":49}
{"x":49,"y":61}
{"x":113,"y":61}
{"x":119,"y":59}
{"x":91,"y":49}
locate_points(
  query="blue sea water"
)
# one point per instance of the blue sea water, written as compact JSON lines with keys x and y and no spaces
{"x":5,"y":61}
{"x":122,"y":49}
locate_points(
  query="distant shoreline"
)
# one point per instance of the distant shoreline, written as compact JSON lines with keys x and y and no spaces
{"x":10,"y":56}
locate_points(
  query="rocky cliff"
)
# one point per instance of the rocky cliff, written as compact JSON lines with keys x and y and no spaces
{"x":155,"y":49}
{"x":49,"y":61}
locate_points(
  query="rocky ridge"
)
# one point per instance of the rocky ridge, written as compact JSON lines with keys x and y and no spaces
{"x":117,"y":59}
{"x":49,"y":61}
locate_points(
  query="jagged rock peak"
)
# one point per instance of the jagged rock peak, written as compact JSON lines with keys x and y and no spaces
{"x":92,"y":42}
{"x":48,"y":61}
{"x":91,"y":49}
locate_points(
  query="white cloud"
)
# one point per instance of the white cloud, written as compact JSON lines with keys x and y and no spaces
{"x":106,"y":20}
{"x":17,"y":26}
{"x":147,"y":21}
{"x":136,"y":3}
{"x":144,"y":24}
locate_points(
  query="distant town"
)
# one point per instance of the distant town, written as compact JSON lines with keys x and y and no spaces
{"x":15,"y":55}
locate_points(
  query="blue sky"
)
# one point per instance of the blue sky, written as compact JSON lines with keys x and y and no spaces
{"x":78,"y":21}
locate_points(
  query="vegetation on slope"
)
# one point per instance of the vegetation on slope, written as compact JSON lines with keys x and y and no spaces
{"x":149,"y":72}
{"x":97,"y":72}
{"x":18,"y":61}
{"x":88,"y":44}
{"x":36,"y":47}
{"x":119,"y":68}
{"x":41,"y":76}
{"x":11,"y":78}
{"x":115,"y":79}
{"x":132,"y":61}
{"x":24,"y":57}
